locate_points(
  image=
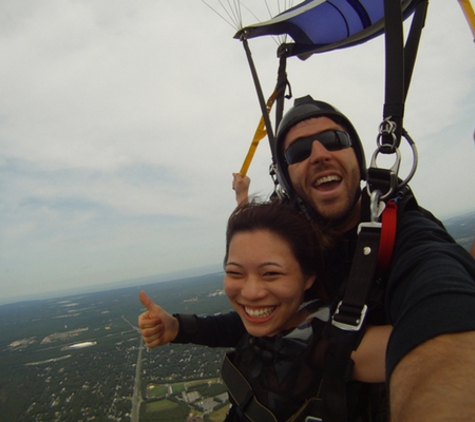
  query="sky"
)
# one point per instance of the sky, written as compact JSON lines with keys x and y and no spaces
{"x":121,"y":122}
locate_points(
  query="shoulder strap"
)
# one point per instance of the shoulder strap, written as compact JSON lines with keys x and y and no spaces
{"x":242,"y":395}
{"x":373,"y":254}
{"x":247,"y":406}
{"x":388,"y":235}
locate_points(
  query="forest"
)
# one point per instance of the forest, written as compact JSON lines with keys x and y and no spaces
{"x":44,"y":378}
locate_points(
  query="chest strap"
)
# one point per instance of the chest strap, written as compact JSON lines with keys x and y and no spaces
{"x":242,"y":395}
{"x":247,"y":406}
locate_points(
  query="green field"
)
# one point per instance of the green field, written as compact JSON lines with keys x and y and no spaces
{"x":161,"y":406}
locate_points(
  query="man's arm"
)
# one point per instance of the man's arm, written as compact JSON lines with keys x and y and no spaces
{"x":435,"y":381}
{"x":431,"y":300}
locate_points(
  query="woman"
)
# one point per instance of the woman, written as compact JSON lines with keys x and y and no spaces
{"x":273,"y":268}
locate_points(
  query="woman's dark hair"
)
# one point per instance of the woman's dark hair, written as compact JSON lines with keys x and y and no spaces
{"x":305,"y":240}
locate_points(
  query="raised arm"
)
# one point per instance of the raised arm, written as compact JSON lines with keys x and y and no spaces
{"x":223,"y":330}
{"x":241,"y":187}
{"x":158,"y":327}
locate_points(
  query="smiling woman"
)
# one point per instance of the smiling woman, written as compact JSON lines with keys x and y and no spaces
{"x":264,"y":280}
{"x":274,"y":271}
{"x":273,"y":258}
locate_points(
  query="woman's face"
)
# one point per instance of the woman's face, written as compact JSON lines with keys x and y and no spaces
{"x":264,"y":282}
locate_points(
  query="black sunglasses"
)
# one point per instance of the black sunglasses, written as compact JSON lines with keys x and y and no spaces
{"x":332,"y":140}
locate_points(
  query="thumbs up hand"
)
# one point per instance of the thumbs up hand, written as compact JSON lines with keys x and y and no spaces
{"x":158,"y":327}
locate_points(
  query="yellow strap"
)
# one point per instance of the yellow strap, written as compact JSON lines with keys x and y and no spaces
{"x":258,"y":135}
{"x":469,"y":14}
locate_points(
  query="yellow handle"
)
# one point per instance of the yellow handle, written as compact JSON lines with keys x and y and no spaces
{"x":258,"y":135}
{"x":469,"y":14}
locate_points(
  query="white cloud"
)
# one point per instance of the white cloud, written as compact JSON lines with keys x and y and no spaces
{"x":121,"y":122}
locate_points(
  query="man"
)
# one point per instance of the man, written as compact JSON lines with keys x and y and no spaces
{"x":430,"y":288}
{"x":428,"y":293}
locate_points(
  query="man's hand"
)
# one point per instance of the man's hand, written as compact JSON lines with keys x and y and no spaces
{"x":158,"y":327}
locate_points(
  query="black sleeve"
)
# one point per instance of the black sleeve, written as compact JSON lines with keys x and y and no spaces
{"x":224,"y":330}
{"x":431,"y":286}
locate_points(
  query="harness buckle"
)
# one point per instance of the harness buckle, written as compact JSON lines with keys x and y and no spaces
{"x":343,"y":321}
{"x":369,"y":225}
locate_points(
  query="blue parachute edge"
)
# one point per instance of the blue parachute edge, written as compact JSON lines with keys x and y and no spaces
{"x":318,"y":26}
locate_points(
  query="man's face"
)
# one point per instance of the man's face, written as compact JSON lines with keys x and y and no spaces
{"x":326,"y":180}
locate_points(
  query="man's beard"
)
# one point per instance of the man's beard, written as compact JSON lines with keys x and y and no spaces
{"x":330,"y":222}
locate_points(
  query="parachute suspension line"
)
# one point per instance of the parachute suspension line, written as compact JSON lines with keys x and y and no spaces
{"x":279,"y":95}
{"x":412,"y":44}
{"x":400,"y":61}
{"x":287,"y":5}
{"x":394,"y":85}
{"x":257,"y":84}
{"x":233,"y":13}
{"x":282,"y":84}
{"x":237,"y":11}
{"x":258,"y":135}
{"x":467,"y":10}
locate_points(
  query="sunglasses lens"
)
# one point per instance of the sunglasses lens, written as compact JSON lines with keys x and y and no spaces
{"x":299,"y":151}
{"x":332,"y":140}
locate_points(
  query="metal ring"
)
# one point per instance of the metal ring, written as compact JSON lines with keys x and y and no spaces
{"x":415,"y":159}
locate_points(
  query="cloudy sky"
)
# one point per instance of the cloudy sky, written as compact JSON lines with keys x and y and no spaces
{"x":121,"y":122}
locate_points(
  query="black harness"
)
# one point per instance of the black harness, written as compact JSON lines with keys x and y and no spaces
{"x":276,"y":379}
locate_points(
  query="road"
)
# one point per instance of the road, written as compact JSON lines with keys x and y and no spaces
{"x":137,"y":396}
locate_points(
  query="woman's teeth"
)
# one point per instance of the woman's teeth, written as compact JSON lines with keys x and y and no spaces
{"x":259,"y":313}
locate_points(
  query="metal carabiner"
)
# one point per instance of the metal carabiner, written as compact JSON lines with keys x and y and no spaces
{"x":393,"y":172}
{"x":376,"y":208}
{"x":387,"y":128}
{"x":415,"y":159}
{"x":279,"y":191}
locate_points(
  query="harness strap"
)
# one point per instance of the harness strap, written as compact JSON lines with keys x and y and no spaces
{"x":352,"y":308}
{"x":336,"y":373}
{"x":394,"y":40}
{"x":248,"y":406}
{"x":412,"y":43}
{"x":345,"y":330}
{"x":373,"y":254}
{"x":400,"y":59}
{"x":388,"y":235}
{"x":242,"y":394}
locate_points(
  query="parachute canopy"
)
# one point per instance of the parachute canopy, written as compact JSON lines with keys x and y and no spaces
{"x":317,"y":26}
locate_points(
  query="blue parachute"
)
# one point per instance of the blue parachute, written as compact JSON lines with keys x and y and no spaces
{"x":317,"y":26}
{"x":322,"y":25}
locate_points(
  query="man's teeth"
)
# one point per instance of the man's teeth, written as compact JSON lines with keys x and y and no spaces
{"x":328,"y":179}
{"x":259,"y":313}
